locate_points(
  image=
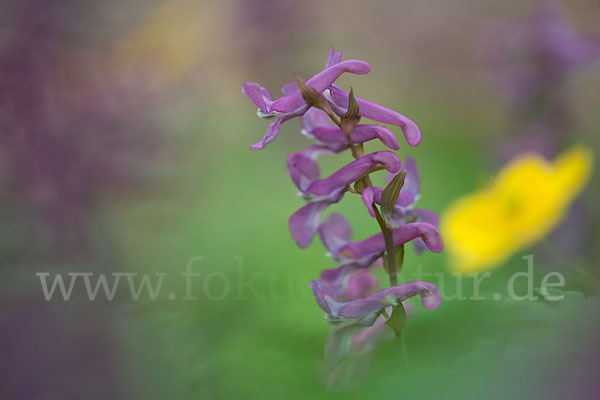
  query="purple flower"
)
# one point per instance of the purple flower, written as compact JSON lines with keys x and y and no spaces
{"x":339,"y":101}
{"x":404,"y":211}
{"x":328,"y":291}
{"x":349,"y":282}
{"x":305,"y":222}
{"x":378,"y":113}
{"x":321,"y":193}
{"x":404,"y":233}
{"x":351,"y":172}
{"x":336,"y":235}
{"x":319,"y":128}
{"x":292,"y":104}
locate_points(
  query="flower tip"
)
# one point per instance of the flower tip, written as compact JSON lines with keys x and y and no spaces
{"x":358,"y":67}
{"x":431,"y":297}
{"x":257,"y":146}
{"x":412,"y":133}
{"x":432,"y":237}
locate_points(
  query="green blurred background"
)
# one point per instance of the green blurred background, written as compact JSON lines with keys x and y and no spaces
{"x":187,"y":186}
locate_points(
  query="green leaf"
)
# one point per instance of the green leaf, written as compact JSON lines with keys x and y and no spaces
{"x":391,"y":193}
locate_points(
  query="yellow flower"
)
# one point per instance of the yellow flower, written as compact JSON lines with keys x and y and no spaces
{"x":527,"y":199}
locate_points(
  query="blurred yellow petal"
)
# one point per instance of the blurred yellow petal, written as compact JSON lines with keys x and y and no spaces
{"x":527,"y":199}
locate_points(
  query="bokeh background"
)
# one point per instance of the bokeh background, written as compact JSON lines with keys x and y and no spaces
{"x":124,"y":148}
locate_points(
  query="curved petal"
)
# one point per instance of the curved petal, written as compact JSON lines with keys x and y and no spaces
{"x":364,"y":133}
{"x":373,"y":194}
{"x":368,"y":197}
{"x":320,"y":82}
{"x":405,"y":233}
{"x":379,"y":113}
{"x":351,"y":172}
{"x":425,"y":215}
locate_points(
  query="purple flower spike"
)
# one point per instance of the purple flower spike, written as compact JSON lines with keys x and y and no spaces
{"x":375,"y":244}
{"x":348,"y":293}
{"x":351,"y":172}
{"x":374,"y":303}
{"x":379,"y":113}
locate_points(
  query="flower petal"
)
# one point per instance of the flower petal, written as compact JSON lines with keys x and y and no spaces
{"x":379,"y":113}
{"x":362,"y":133}
{"x":258,"y":94}
{"x":333,"y":58}
{"x":359,"y":284}
{"x":314,"y":118}
{"x":335,"y":232}
{"x":303,"y":170}
{"x":320,"y":82}
{"x":368,"y":197}
{"x":289,"y":88}
{"x":405,"y":233}
{"x":412,"y":182}
{"x":305,"y":222}
{"x":351,"y":172}
{"x":270,"y":134}
{"x":429,"y":293}
{"x":424,"y":215}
